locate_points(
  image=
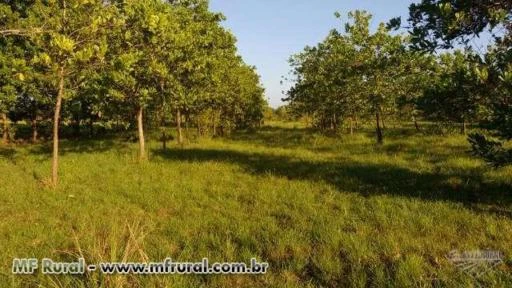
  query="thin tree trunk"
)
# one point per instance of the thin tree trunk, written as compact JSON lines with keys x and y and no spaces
{"x":5,"y":135}
{"x":464,"y":126}
{"x":140,"y":128}
{"x":164,"y":134}
{"x":178,"y":126}
{"x":214,"y":124}
{"x":416,"y":125}
{"x":140,"y":125}
{"x":351,"y":125}
{"x":162,"y":118}
{"x":56,"y":119}
{"x":34,"y":130}
{"x":379,"y":130}
{"x":187,"y":120}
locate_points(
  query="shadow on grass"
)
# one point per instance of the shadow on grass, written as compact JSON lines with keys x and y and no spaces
{"x":79,"y":147}
{"x":277,"y":137}
{"x":466,"y":187}
{"x":310,"y":139}
{"x":7,"y":152}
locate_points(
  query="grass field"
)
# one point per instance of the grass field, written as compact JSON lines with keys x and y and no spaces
{"x":323,"y":211}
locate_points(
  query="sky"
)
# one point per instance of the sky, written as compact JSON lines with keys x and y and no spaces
{"x":270,"y":31}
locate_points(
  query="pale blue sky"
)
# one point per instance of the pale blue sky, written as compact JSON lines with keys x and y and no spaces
{"x":270,"y":31}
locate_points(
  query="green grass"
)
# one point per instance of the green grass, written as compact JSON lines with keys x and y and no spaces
{"x":324,"y":212}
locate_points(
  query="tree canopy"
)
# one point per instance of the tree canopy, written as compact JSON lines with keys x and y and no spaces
{"x":144,"y":63}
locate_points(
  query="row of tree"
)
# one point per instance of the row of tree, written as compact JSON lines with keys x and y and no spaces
{"x":124,"y":61}
{"x":359,"y":74}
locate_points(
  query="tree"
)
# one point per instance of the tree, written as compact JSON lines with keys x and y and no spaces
{"x":444,"y":23}
{"x":456,"y":95}
{"x":197,"y":78}
{"x":420,"y":72}
{"x":8,"y":91}
{"x":33,"y":102}
{"x":133,"y":52}
{"x":351,"y":73}
{"x":327,"y":85}
{"x":381,"y":56}
{"x":124,"y":60}
{"x":12,"y":67}
{"x":73,"y":37}
{"x":499,"y":121}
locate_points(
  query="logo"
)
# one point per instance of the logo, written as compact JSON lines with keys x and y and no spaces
{"x":476,"y":263}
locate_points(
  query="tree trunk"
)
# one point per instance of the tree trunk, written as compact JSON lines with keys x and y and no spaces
{"x":464,"y":127}
{"x":162,"y":118}
{"x":164,"y":134}
{"x":178,"y":127}
{"x":56,"y":119}
{"x":221,"y":129}
{"x":351,"y":125}
{"x":379,"y":130}
{"x":34,"y":130}
{"x":214,"y":124}
{"x":416,"y":125}
{"x":140,"y":125}
{"x":187,"y":120}
{"x":5,"y":135}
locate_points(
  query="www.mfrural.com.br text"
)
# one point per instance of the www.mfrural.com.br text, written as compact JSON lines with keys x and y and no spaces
{"x":167,"y":266}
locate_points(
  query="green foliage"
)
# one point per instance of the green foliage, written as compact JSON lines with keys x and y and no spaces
{"x":456,"y":93}
{"x":355,"y":74}
{"x":118,"y":57}
{"x":444,"y":23}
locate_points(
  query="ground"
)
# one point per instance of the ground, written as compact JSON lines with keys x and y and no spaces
{"x":323,"y":211}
